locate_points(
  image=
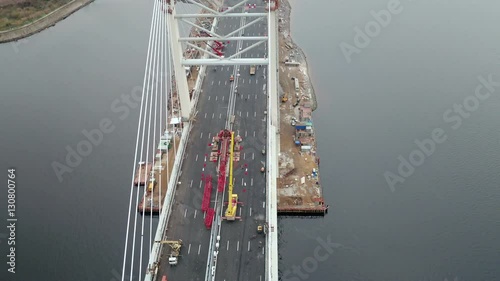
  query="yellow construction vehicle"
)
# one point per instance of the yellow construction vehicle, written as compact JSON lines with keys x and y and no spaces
{"x":151,"y":184}
{"x":284,"y":98}
{"x":175,"y":245}
{"x":260,"y":229}
{"x":232,"y":205}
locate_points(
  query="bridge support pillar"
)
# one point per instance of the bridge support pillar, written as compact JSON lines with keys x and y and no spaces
{"x":179,"y":71}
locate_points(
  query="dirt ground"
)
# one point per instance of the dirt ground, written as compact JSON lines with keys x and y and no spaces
{"x":295,"y":165}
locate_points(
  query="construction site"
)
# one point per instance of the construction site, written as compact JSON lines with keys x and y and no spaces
{"x":299,"y":185}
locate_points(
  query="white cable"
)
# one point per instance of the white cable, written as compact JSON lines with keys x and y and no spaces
{"x":161,"y":124}
{"x":154,"y":54}
{"x":135,"y":160}
{"x":154,"y":135}
{"x":142,"y":143}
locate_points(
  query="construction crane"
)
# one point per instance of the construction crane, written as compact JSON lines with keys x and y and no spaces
{"x":175,"y":245}
{"x":232,"y":198}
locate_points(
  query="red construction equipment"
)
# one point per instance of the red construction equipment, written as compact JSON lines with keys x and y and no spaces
{"x":209,"y":218}
{"x":225,"y":138}
{"x":205,"y":204}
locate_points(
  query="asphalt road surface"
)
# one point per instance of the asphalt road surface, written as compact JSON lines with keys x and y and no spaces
{"x":241,"y":251}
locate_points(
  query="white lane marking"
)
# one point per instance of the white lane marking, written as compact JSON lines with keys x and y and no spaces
{"x":195,"y":211}
{"x":253,"y":155}
{"x":251,"y":182}
{"x":249,"y":246}
{"x":263,"y":250}
{"x":220,"y":116}
{"x":222,"y":98}
{"x":204,"y":214}
{"x":264,"y":87}
{"x":213,"y":114}
{"x":242,"y":81}
{"x":208,"y":99}
{"x":247,"y":116}
{"x":201,"y":183}
{"x":199,"y":249}
{"x":248,"y":97}
{"x":256,"y":81}
{"x":260,"y":277}
{"x":201,"y":135}
{"x":241,"y":183}
{"x":254,"y":133}
{"x":255,"y":115}
{"x":227,"y":248}
{"x":250,"y":211}
{"x":213,"y":82}
{"x":255,"y":96}
{"x":238,"y":246}
{"x":215,"y":97}
{"x":244,"y":156}
{"x":189,"y":249}
{"x":219,"y":82}
{"x":225,"y":82}
{"x":185,"y":212}
{"x":196,"y":157}
{"x":264,"y":189}
{"x":208,"y":138}
{"x":246,"y":131}
{"x":239,"y":113}
{"x":205,"y":112}
{"x":238,"y":132}
{"x":264,"y":205}
{"x":191,"y":184}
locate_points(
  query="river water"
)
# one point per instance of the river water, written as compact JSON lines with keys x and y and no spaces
{"x":441,"y":222}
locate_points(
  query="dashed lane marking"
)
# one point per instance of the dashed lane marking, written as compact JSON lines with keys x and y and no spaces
{"x":189,"y":249}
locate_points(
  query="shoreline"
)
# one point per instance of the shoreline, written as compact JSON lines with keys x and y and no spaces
{"x":44,"y":22}
{"x":285,"y":12}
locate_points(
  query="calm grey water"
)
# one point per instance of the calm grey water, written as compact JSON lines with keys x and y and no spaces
{"x":442,"y":222}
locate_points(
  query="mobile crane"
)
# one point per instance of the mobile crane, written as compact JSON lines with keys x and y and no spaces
{"x":232,"y":205}
{"x":174,"y":253}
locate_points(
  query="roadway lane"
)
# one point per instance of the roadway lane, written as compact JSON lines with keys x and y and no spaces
{"x":241,"y":253}
{"x":187,"y":219}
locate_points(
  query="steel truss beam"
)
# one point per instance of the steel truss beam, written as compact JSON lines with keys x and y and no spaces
{"x":210,"y":58}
